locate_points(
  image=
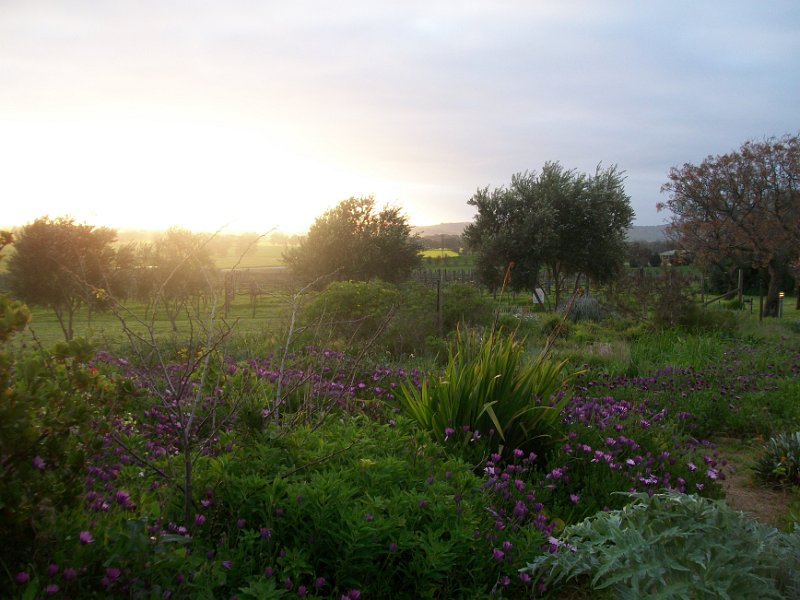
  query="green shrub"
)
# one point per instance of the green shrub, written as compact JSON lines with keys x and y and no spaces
{"x":674,"y":546}
{"x":779,"y":463}
{"x":491,"y":398}
{"x":351,"y":311}
{"x":556,"y":323}
{"x":349,"y":505}
{"x":50,"y":406}
{"x":465,"y":305}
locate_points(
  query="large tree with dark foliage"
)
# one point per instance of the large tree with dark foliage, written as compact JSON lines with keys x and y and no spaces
{"x":567,"y":222}
{"x":743,"y":207}
{"x":354,"y":241}
{"x":62,"y":265}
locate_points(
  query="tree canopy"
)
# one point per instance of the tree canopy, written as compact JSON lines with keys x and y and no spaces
{"x":742,"y":206}
{"x":62,"y":265}
{"x":567,"y":222}
{"x":178,"y":267}
{"x":354,"y":241}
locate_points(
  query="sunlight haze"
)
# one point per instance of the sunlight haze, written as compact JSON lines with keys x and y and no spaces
{"x":260,"y":115}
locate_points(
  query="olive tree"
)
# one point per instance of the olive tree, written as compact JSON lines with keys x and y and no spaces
{"x":566,"y":222}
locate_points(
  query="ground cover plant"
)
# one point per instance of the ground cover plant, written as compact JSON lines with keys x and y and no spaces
{"x":310,"y":479}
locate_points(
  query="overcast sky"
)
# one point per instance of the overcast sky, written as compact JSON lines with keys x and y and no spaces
{"x":254,"y":114}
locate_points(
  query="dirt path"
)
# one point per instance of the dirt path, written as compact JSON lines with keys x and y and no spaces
{"x":741,"y":491}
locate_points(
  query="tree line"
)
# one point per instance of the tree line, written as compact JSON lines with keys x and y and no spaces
{"x":740,"y":209}
{"x":67,"y":266}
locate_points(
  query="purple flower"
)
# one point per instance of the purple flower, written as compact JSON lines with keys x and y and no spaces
{"x":354,"y":594}
{"x":38,"y":463}
{"x":692,"y":467}
{"x":227,"y":564}
{"x":22,"y":577}
{"x":52,"y":569}
{"x":498,"y":554}
{"x":69,"y":574}
{"x":268,"y":571}
{"x":369,"y":517}
{"x":288,"y":583}
{"x":301,"y":591}
{"x":266,"y":533}
{"x":241,"y":523}
{"x":199,"y":519}
{"x":51,"y":589}
{"x":319,"y":583}
{"x":113,"y":573}
{"x":85,"y":537}
{"x":448,"y":431}
{"x":392,"y":547}
{"x":575,"y":498}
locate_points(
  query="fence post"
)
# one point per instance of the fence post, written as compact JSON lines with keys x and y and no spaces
{"x":439,"y":304}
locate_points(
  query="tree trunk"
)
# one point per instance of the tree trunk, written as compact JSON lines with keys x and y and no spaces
{"x":771,"y":304}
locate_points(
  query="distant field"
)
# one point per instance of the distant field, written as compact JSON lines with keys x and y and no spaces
{"x":438,"y":253}
{"x":261,"y":255}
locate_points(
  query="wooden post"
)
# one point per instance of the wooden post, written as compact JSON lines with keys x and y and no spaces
{"x":439,"y":305}
{"x":740,"y":286}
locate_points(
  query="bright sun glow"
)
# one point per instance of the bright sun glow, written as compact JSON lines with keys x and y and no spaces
{"x":151,"y":175}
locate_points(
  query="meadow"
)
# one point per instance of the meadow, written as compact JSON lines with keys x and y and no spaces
{"x":295,"y":453}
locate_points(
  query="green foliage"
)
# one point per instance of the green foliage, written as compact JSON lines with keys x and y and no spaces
{"x":779,"y":463}
{"x":568,"y":221}
{"x":556,"y":325}
{"x":351,"y":310}
{"x":398,"y":319}
{"x":354,"y":241}
{"x":50,"y":404}
{"x":672,"y":545}
{"x":491,"y":398}
{"x":362,"y":505}
{"x":465,"y":305}
{"x":63,"y":266}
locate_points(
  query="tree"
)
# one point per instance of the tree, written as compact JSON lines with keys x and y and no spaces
{"x":62,"y":265}
{"x":743,"y":206}
{"x":568,"y":222}
{"x":178,"y":267}
{"x":353,"y":241}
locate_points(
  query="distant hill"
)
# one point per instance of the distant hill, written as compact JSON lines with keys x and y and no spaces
{"x":637,"y":233}
{"x":647,"y":233}
{"x":440,"y":229}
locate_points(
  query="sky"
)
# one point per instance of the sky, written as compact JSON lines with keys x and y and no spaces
{"x":253,"y":115}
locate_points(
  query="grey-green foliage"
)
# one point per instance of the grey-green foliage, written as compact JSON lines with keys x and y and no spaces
{"x":674,"y":545}
{"x":586,"y":308}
